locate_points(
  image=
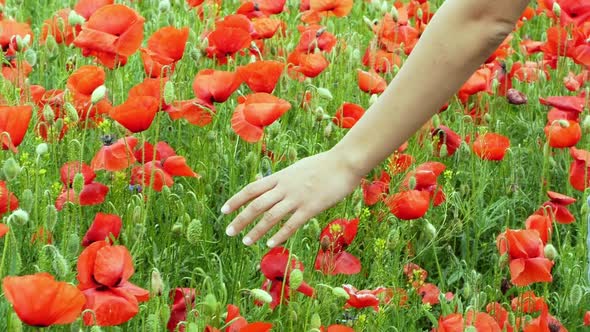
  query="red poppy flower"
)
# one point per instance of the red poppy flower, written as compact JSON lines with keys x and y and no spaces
{"x":164,"y":48}
{"x":111,"y":34}
{"x":152,"y":87}
{"x":334,"y":239}
{"x":450,"y":323}
{"x":556,"y":208}
{"x":525,"y":271}
{"x":151,"y":174}
{"x":87,"y":7}
{"x":215,"y":85}
{"x":393,"y":36}
{"x":103,"y":272}
{"x":240,"y":324}
{"x":256,"y":111}
{"x":380,"y":60}
{"x":528,"y":302}
{"x":481,"y":321}
{"x":69,"y":170}
{"x":339,"y":8}
{"x":500,"y":314}
{"x":555,"y":114}
{"x":366,"y":298}
{"x":491,"y":146}
{"x":448,"y":137}
{"x":230,"y":36}
{"x":574,"y":82}
{"x":400,"y":162}
{"x":116,"y":156}
{"x":266,"y":28}
{"x":3,"y":229}
{"x":8,"y":201}
{"x":336,"y":328}
{"x":55,"y":302}
{"x":195,"y":111}
{"x":303,"y":64}
{"x":59,"y":27}
{"x":371,"y":82}
{"x":528,"y":72}
{"x":527,"y":261}
{"x":563,"y":137}
{"x":103,"y":226}
{"x":158,"y":172}
{"x":183,"y":301}
{"x":9,"y":29}
{"x":542,"y":224}
{"x":587,"y":318}
{"x":315,"y":36}
{"x":14,"y":122}
{"x":148,"y":153}
{"x":81,"y":84}
{"x":480,"y":81}
{"x":261,"y":76}
{"x":430,"y":294}
{"x":376,"y":190}
{"x":407,"y":205}
{"x":348,"y":114}
{"x":136,"y":113}
{"x":92,"y":194}
{"x":276,"y":265}
{"x":565,"y":103}
{"x":580,"y":169}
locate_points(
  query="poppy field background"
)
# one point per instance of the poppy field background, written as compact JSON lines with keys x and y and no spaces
{"x":126,"y":126}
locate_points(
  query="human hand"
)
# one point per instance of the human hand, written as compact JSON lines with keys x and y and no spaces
{"x":304,"y":189}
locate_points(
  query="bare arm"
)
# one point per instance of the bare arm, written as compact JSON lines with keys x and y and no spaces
{"x":462,"y":34}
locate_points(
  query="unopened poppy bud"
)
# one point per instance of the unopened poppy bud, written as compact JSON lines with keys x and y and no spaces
{"x":394,"y":13}
{"x":41,"y":149}
{"x":340,"y":292}
{"x":75,"y":18}
{"x":429,"y":230}
{"x":50,"y":44}
{"x":550,"y":252}
{"x":487,"y":118}
{"x":26,"y":200}
{"x":355,"y":55}
{"x":73,"y":247}
{"x":157,"y":285}
{"x":325,"y":243}
{"x":19,"y":217}
{"x":96,"y":328}
{"x":164,"y":5}
{"x":14,"y":323}
{"x":444,"y":150}
{"x":576,"y":295}
{"x":376,"y":4}
{"x":78,"y":183}
{"x":194,"y":231}
{"x":31,"y":57}
{"x":368,"y":22}
{"x":177,"y":229}
{"x":152,"y":323}
{"x":11,"y":169}
{"x":328,"y":130}
{"x":48,"y":114}
{"x":313,"y":228}
{"x":436,"y":121}
{"x":98,"y":94}
{"x":503,"y":260}
{"x":384,"y":7}
{"x":373,"y":99}
{"x":467,"y":291}
{"x":325,"y":93}
{"x":292,"y":154}
{"x":71,"y":112}
{"x":22,"y":42}
{"x":419,"y":14}
{"x":295,"y":278}
{"x":552,"y":161}
{"x":212,"y":135}
{"x":316,"y":321}
{"x":261,"y":295}
{"x":412,"y":182}
{"x":136,"y":216}
{"x":51,"y":216}
{"x":563,"y":123}
{"x":60,"y":265}
{"x":516,"y":97}
{"x":169,"y":92}
{"x":556,"y":9}
{"x":512,"y":319}
{"x":586,"y":123}
{"x":470,"y":328}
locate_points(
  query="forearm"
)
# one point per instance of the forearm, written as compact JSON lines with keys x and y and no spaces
{"x":462,"y":34}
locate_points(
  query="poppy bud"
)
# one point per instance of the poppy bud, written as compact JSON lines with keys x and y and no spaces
{"x":98,"y":94}
{"x":328,"y":130}
{"x":212,"y":135}
{"x":75,"y":18}
{"x":48,"y":114}
{"x":563,"y":123}
{"x":41,"y":149}
{"x":576,"y":295}
{"x":444,"y":150}
{"x":19,"y":217}
{"x":14,"y":323}
{"x":552,"y":161}
{"x":73,"y":245}
{"x":169,"y":92}
{"x":512,"y":319}
{"x":467,"y":290}
{"x":550,"y":252}
{"x":152,"y":323}
{"x":325,"y":93}
{"x":50,"y":44}
{"x":384,"y":7}
{"x":313,"y":228}
{"x":51,"y":216}
{"x":11,"y":169}
{"x":136,"y":216}
{"x":376,"y":4}
{"x":316,"y":321}
{"x":556,"y":9}
{"x":503,"y":260}
{"x":586,"y":124}
{"x":78,"y":183}
{"x":340,"y":292}
{"x":419,"y":14}
{"x":292,"y":154}
{"x":373,"y":99}
{"x":95,"y":328}
{"x":59,"y":124}
{"x":429,"y":230}
{"x":295,"y":278}
{"x":355,"y":55}
{"x":60,"y":265}
{"x":71,"y":112}
{"x":177,"y":229}
{"x":26,"y":200}
{"x":412,"y":182}
{"x":261,"y":295}
{"x":164,"y":5}
{"x":394,"y":13}
{"x":368,"y":22}
{"x":157,"y":283}
{"x":31,"y":57}
{"x":22,"y":42}
{"x":194,"y":231}
{"x":470,"y":328}
{"x":487,"y":118}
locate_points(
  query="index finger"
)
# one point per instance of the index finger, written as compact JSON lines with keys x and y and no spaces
{"x":248,"y":193}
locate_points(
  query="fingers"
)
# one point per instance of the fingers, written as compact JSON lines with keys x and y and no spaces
{"x":289,"y":228}
{"x":252,"y":211}
{"x":270,"y":218}
{"x":248,"y":193}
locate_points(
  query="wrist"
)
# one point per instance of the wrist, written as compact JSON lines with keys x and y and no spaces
{"x":351,"y":158}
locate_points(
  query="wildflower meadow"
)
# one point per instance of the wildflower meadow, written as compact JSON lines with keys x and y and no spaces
{"x":126,"y":124}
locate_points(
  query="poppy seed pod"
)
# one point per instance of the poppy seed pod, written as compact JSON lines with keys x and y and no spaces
{"x":295,"y":278}
{"x":325,"y":93}
{"x":60,"y":265}
{"x":71,"y":112}
{"x":164,"y":5}
{"x":50,"y":216}
{"x":261,"y":295}
{"x":586,"y":124}
{"x":75,"y":18}
{"x":98,"y":94}
{"x":11,"y":169}
{"x":550,"y":252}
{"x":41,"y":149}
{"x":316,"y":321}
{"x":340,"y":292}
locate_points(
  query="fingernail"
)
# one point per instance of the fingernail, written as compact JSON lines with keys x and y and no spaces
{"x":230,"y":231}
{"x":225,"y":209}
{"x":247,"y":241}
{"x":270,"y":243}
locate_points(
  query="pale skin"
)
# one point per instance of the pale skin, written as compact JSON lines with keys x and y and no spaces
{"x":460,"y":37}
